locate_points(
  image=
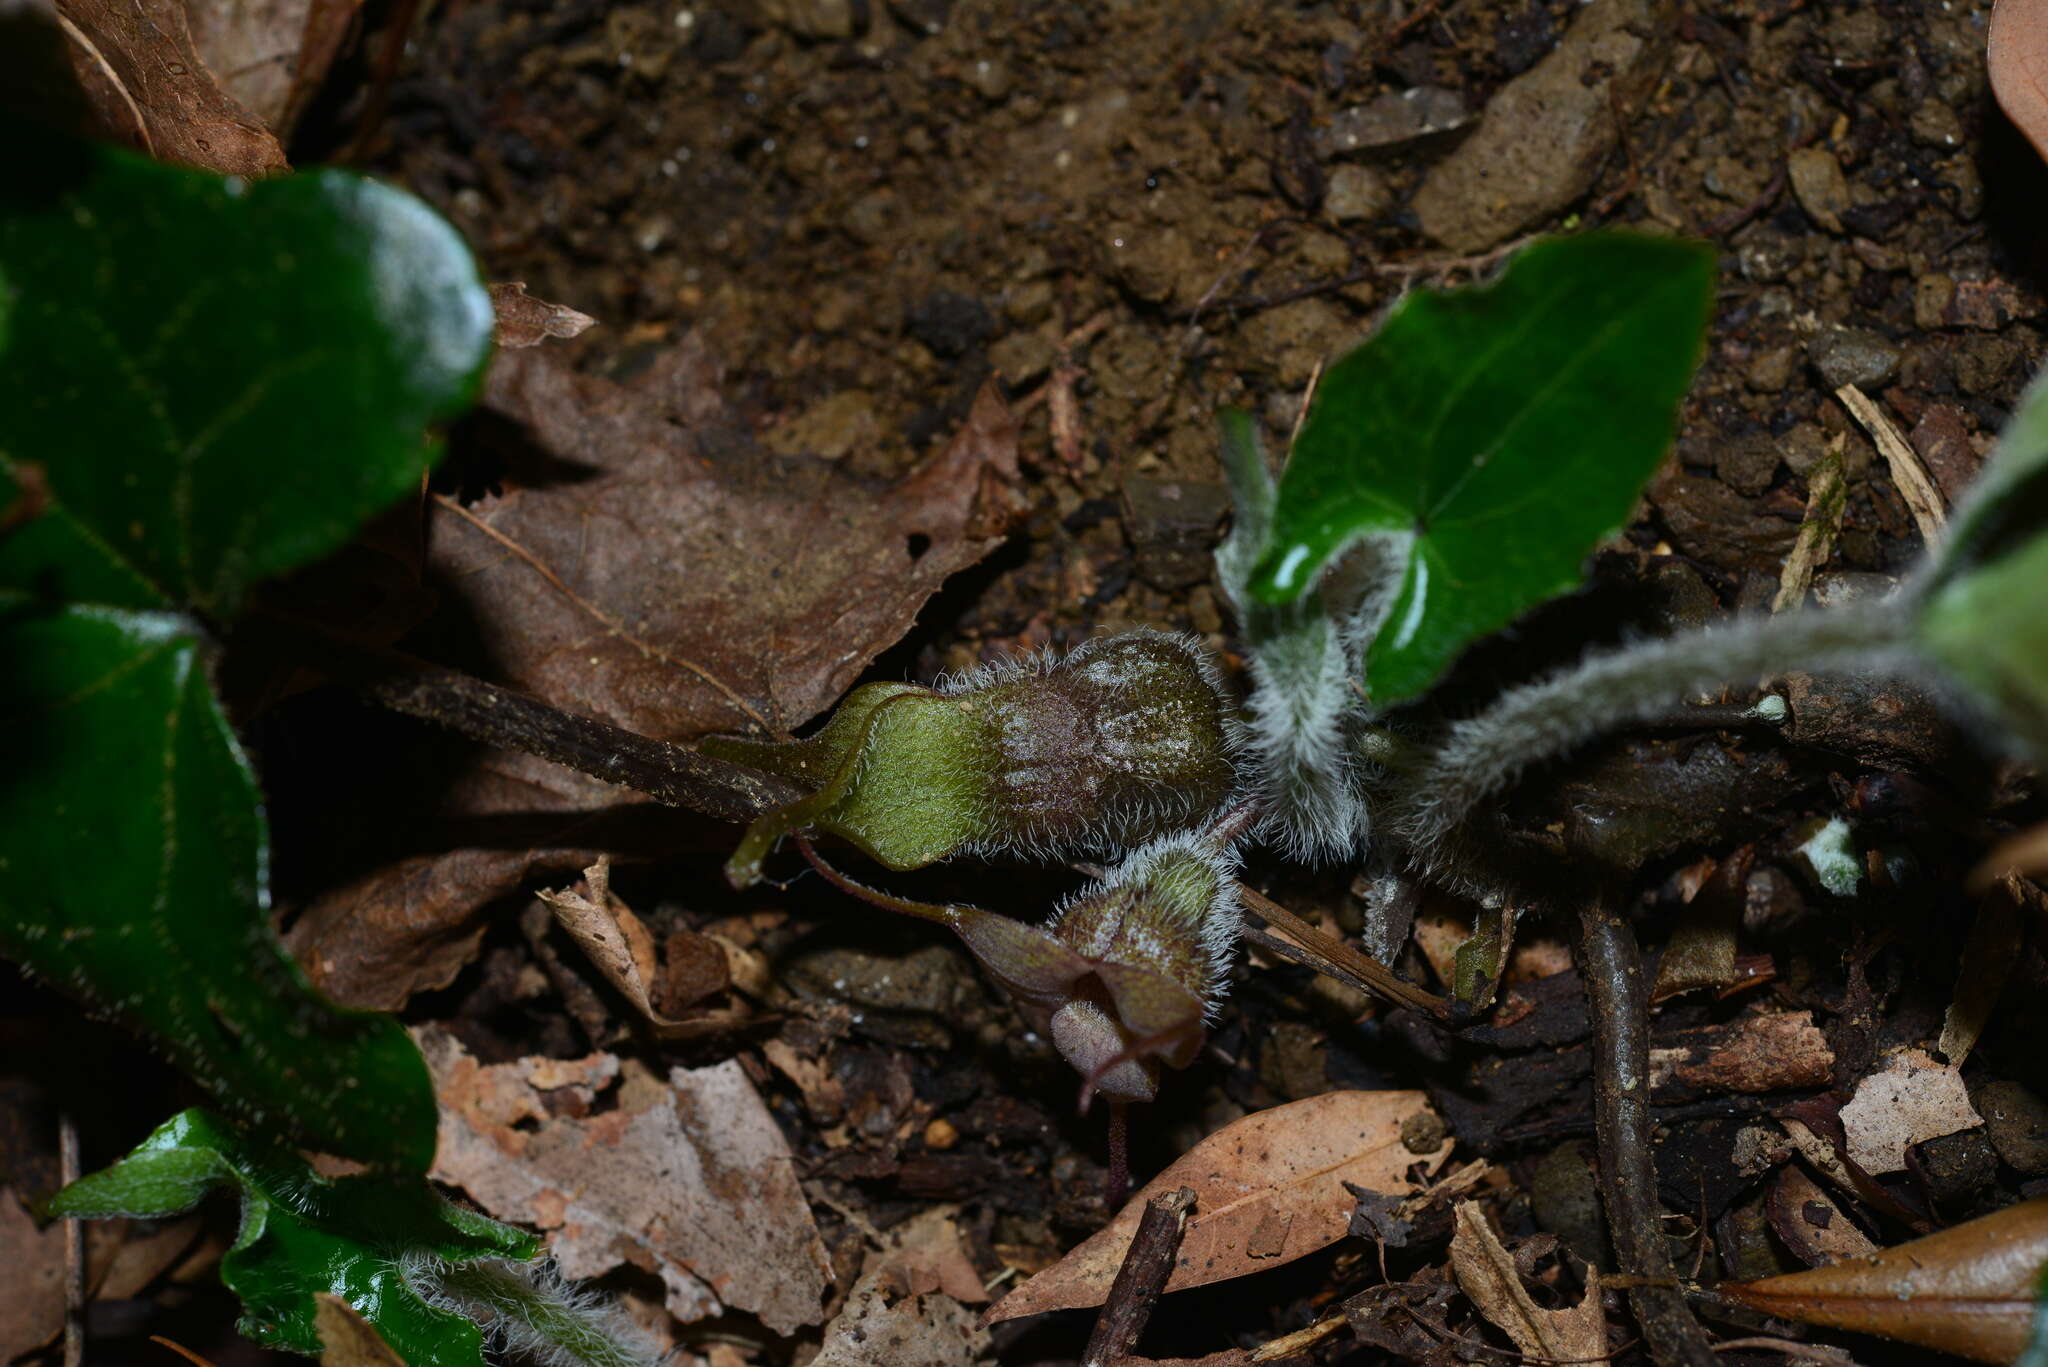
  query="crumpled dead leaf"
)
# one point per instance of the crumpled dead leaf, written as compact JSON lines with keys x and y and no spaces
{"x":687,"y":1176}
{"x":1913,"y":1100}
{"x":682,"y":579}
{"x":525,"y":321}
{"x":606,"y":929}
{"x":1488,"y":1275}
{"x":2016,"y":60}
{"x":1967,"y":1290}
{"x":906,"y":1311}
{"x":1269,"y":1188}
{"x":150,"y":88}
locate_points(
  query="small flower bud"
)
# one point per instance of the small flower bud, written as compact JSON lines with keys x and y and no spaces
{"x":1124,"y":738}
{"x":1126,"y":975}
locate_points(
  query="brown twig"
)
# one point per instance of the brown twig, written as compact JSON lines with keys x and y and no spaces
{"x":1314,"y":948}
{"x":497,"y":716}
{"x":74,"y":1246}
{"x":1612,"y":968}
{"x":1142,"y":1277}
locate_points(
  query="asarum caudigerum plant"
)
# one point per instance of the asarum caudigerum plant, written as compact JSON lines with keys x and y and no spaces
{"x":1454,"y":471}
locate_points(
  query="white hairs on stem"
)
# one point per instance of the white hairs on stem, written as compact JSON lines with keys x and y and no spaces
{"x":1482,"y":755}
{"x":531,"y":1312}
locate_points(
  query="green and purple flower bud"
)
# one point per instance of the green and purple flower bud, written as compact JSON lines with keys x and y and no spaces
{"x":1124,"y":739}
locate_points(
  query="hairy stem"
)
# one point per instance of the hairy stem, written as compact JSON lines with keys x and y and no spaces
{"x":533,"y":1312}
{"x":1612,"y":968}
{"x":1482,"y":755}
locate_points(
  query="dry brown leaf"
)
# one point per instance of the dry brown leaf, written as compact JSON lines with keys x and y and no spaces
{"x":2019,"y":855}
{"x":1289,"y":1163}
{"x":1487,"y":1274}
{"x":687,"y":1176}
{"x":1967,"y":1290}
{"x":120,"y":1260}
{"x":271,"y":55}
{"x":32,"y":1295}
{"x":606,"y":929}
{"x":150,"y":88}
{"x":687,"y":580}
{"x":346,"y":1338}
{"x":1914,"y":1099}
{"x":525,"y":321}
{"x":2016,"y":59}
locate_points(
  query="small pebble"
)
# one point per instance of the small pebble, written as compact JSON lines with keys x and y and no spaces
{"x":2017,"y":1122}
{"x":1853,"y":356}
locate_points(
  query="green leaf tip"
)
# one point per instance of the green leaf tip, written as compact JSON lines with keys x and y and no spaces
{"x":1983,"y":615}
{"x":1502,"y":429}
{"x":301,"y":1234}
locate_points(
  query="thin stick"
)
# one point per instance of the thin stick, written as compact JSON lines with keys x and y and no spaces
{"x":1147,"y":1265}
{"x":1331,"y":956}
{"x":1287,"y":1345}
{"x":74,"y":1246}
{"x":664,"y":771}
{"x":1923,"y":500}
{"x":1612,"y":968}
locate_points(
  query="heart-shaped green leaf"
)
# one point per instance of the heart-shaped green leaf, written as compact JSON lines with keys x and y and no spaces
{"x":205,"y":381}
{"x":133,"y":861}
{"x":220,"y":380}
{"x":302,"y":1234}
{"x":1505,"y":428}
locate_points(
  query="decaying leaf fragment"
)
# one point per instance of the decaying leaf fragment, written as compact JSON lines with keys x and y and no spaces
{"x":1967,"y":1290}
{"x":687,"y":1175}
{"x":1269,"y":1188}
{"x":906,"y":1311}
{"x":1487,"y":1273}
{"x":623,"y":950}
{"x":525,"y":321}
{"x":1913,"y":1100}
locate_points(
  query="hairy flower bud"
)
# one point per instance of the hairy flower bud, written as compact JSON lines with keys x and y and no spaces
{"x":1128,"y":972}
{"x":1123,"y":739}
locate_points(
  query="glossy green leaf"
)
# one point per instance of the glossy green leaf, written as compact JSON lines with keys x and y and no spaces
{"x":1506,"y":429}
{"x":133,"y":862}
{"x":221,"y":380}
{"x":1984,"y":604}
{"x":302,"y":1234}
{"x":214,"y":381}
